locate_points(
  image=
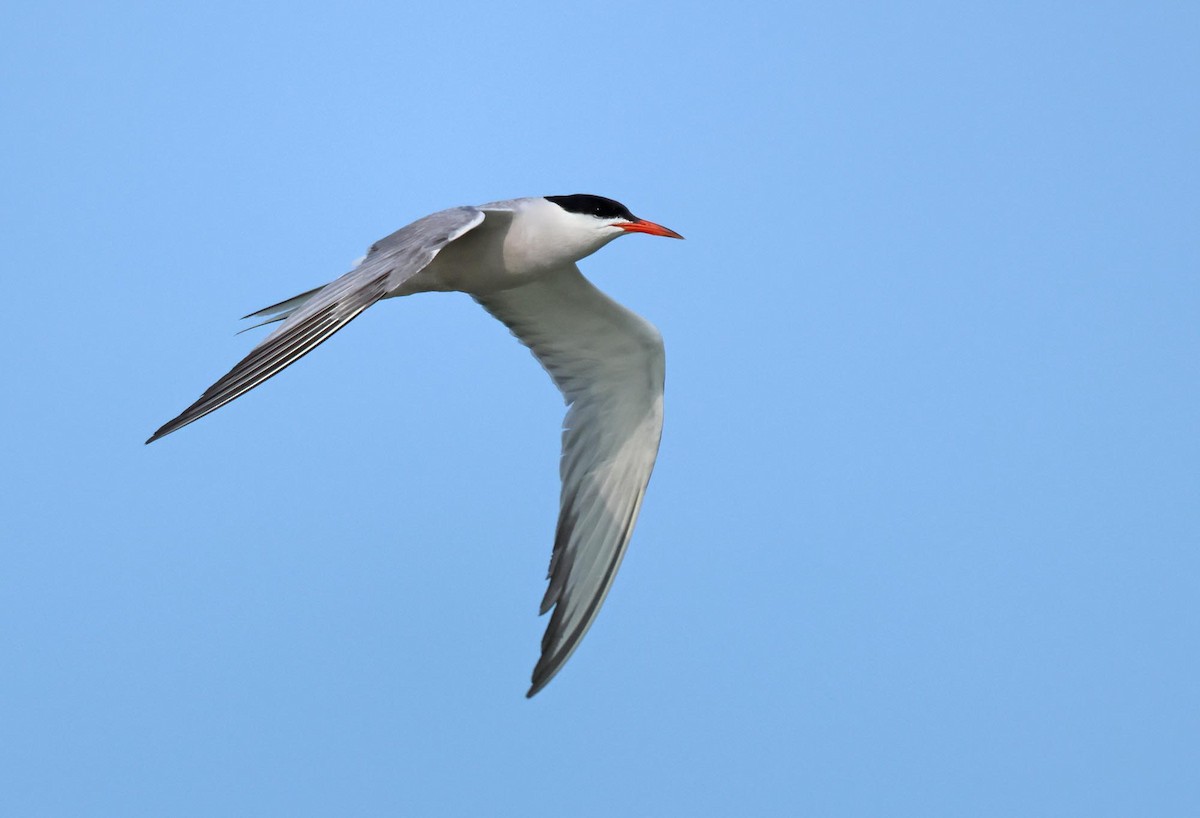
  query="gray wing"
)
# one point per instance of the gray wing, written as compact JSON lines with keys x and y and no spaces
{"x":313,"y":317}
{"x":609,"y":365}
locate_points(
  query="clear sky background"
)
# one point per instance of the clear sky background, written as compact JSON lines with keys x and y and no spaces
{"x":924,"y":535}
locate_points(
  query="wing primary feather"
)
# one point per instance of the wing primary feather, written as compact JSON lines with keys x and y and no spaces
{"x":279,"y":350}
{"x":287,"y":305}
{"x":549,"y":664}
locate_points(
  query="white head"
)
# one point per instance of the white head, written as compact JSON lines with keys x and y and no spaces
{"x":594,"y":221}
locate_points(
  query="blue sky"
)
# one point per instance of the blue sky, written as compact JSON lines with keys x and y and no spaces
{"x":922,"y":538}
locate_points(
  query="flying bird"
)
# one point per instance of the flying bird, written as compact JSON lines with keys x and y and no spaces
{"x":516,"y":258}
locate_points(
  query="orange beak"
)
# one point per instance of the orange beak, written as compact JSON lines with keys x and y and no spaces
{"x":643,"y":226}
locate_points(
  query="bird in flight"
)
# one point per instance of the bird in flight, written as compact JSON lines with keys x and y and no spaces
{"x":517,"y":259}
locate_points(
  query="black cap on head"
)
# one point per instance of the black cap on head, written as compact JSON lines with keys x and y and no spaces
{"x":590,"y":205}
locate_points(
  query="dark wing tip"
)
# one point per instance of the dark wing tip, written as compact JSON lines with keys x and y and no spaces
{"x":538,"y":684}
{"x":162,"y":431}
{"x":182,"y":419}
{"x":548,"y":666}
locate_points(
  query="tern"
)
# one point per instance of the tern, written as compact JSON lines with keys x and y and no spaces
{"x":517,"y":258}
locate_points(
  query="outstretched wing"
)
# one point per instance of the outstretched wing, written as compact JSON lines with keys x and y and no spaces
{"x":314,"y":316}
{"x":609,"y":365}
